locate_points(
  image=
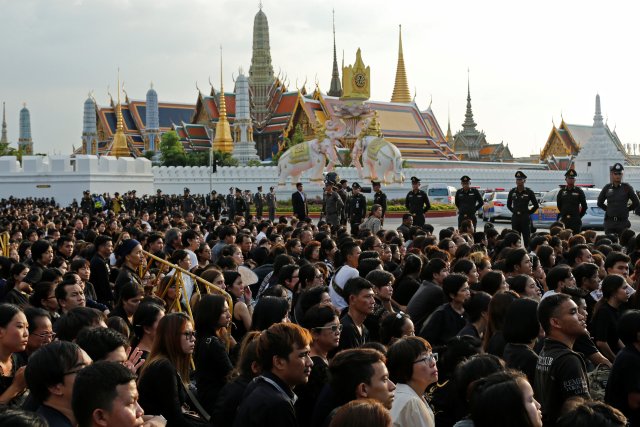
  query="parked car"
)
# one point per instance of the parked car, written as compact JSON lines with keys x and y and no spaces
{"x":547,"y":214}
{"x":440,"y":193}
{"x":495,"y":206}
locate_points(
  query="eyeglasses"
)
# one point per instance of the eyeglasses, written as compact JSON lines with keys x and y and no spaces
{"x":333,"y":328}
{"x":46,"y":335}
{"x":189,"y":335}
{"x":428,"y":360}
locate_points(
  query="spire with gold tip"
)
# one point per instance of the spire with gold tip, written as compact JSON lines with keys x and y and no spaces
{"x":119,"y":147}
{"x":222,"y":141}
{"x":401,"y":88}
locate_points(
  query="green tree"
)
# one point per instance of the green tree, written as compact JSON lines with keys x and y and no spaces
{"x":298,"y":137}
{"x":171,"y":149}
{"x":224,"y":159}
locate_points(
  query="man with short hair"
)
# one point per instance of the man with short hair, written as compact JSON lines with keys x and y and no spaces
{"x":269,"y":400}
{"x":64,"y":247}
{"x":351,"y":251}
{"x":271,"y":201}
{"x":50,"y":375}
{"x":105,"y":394}
{"x":518,"y":201}
{"x":103,"y":344}
{"x":69,"y":295}
{"x":357,"y":373}
{"x":258,"y":201}
{"x":360,"y":296}
{"x":227,"y":236}
{"x":332,"y":205}
{"x":41,"y":257}
{"x":379,"y":198}
{"x":617,"y":263}
{"x":299,"y":203}
{"x":190,"y":243}
{"x":357,"y":208}
{"x":559,"y":278}
{"x":405,"y":227}
{"x":578,"y":254}
{"x":100,"y":270}
{"x":561,"y":373}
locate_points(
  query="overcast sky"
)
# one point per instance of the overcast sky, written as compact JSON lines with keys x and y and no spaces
{"x":530,"y":62}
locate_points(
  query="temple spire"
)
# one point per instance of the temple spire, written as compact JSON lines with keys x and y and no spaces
{"x":401,"y":88}
{"x":261,"y":77}
{"x":449,"y":137}
{"x":469,"y":125}
{"x":119,"y":147}
{"x":4,"y":139}
{"x":597,"y":118}
{"x":222,"y":141}
{"x":335,"y":89}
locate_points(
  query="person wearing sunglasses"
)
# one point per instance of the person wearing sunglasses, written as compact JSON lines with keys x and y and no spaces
{"x":412,"y":366}
{"x":325,"y":328}
{"x":614,"y":200}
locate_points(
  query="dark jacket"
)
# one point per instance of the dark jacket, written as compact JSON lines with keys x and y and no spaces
{"x":264,"y":404}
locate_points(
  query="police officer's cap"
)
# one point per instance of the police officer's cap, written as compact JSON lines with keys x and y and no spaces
{"x":238,"y":190}
{"x":465,"y":178}
{"x":415,"y":180}
{"x":355,"y":185}
{"x":571,"y":173}
{"x":271,"y":188}
{"x":186,"y":190}
{"x":343,"y":181}
{"x":375,"y":183}
{"x":159,"y":190}
{"x":520,"y":175}
{"x":260,"y":188}
{"x":617,"y":167}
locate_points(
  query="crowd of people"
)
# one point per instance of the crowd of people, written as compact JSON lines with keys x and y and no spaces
{"x":168,"y":312}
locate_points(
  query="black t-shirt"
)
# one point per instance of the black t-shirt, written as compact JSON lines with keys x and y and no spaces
{"x":604,"y":326}
{"x":442,"y":325}
{"x":625,"y":379}
{"x":350,"y":337}
{"x":522,"y":358}
{"x":560,"y":374}
{"x":425,"y":301}
{"x":308,"y":393}
{"x":404,"y":289}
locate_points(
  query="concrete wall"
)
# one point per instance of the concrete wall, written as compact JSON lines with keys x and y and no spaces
{"x":64,"y":178}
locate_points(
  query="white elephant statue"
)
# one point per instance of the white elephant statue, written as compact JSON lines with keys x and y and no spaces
{"x":311,"y":155}
{"x":381,"y":160}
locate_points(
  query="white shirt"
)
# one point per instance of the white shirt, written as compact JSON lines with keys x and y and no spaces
{"x":410,"y":410}
{"x":346,"y":272}
{"x":193,"y":258}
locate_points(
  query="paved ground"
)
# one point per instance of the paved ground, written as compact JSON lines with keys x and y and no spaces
{"x":440,"y":223}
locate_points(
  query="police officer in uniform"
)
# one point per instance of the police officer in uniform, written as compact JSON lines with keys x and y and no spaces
{"x":332,"y":205}
{"x":231,"y":204}
{"x":240,"y":204}
{"x":468,"y":200}
{"x":518,"y":202}
{"x":572,"y":203}
{"x":344,"y":192}
{"x":258,"y":201}
{"x":417,"y":202}
{"x":614,"y":200}
{"x":379,"y":198}
{"x":357,"y":208}
{"x":188,"y":204}
{"x":271,"y":203}
{"x":215,"y":205}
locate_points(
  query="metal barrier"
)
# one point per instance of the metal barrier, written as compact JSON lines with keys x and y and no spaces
{"x":5,"y":247}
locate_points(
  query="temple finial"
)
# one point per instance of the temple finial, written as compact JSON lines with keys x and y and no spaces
{"x":401,"y":91}
{"x":469,"y":125}
{"x":335,"y":88}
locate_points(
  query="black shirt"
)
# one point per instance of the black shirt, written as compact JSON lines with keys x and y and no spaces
{"x":308,"y":393}
{"x":522,"y":358}
{"x":518,"y":201}
{"x":264,"y":404}
{"x":442,"y":325}
{"x":229,"y":398}
{"x":560,"y":374}
{"x":425,"y":301}
{"x":350,"y":337}
{"x":625,"y":379}
{"x":54,"y":417}
{"x":404,"y":289}
{"x":212,"y":367}
{"x":604,"y":326}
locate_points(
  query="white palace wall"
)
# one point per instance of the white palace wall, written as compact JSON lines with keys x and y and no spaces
{"x":65,"y":178}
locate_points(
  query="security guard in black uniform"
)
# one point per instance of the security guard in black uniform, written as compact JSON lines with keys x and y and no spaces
{"x":357,"y":209}
{"x":344,"y":192}
{"x":518,"y":202}
{"x":468,"y":200}
{"x":188,"y":204}
{"x":617,"y":195}
{"x":379,"y":198}
{"x":572,"y":203}
{"x":417,"y":202}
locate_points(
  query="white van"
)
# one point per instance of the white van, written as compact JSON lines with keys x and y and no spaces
{"x":440,"y":193}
